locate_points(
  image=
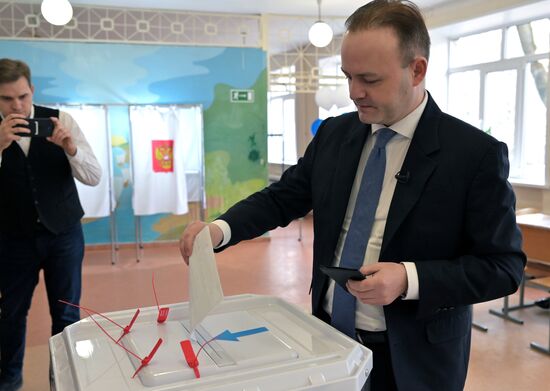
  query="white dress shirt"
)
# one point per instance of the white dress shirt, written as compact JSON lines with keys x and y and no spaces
{"x":371,"y":317}
{"x":84,"y":165}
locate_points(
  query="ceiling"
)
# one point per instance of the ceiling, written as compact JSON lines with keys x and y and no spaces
{"x":286,"y":7}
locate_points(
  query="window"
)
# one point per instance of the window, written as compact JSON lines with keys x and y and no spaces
{"x":498,"y":81}
{"x":478,"y":48}
{"x":499,"y":106}
{"x":281,"y":140}
{"x":463,"y":102}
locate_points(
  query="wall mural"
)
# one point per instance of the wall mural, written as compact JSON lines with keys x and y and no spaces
{"x":229,"y":83}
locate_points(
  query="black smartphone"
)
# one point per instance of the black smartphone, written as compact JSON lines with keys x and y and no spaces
{"x":341,"y":275}
{"x":39,"y":127}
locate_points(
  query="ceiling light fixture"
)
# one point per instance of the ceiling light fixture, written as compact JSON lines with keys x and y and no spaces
{"x":320,"y":33}
{"x":57,"y":12}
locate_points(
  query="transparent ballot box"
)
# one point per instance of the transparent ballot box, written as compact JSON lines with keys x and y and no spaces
{"x":247,"y":343}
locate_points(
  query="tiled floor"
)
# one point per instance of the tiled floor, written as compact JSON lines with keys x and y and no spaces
{"x":501,"y":359}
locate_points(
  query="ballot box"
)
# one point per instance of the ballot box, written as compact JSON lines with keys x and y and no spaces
{"x":248,"y":342}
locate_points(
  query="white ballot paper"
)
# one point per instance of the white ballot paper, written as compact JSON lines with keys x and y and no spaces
{"x":205,"y":289}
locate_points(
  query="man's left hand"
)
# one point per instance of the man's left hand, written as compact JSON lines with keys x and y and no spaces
{"x":385,"y":282}
{"x":62,"y":137}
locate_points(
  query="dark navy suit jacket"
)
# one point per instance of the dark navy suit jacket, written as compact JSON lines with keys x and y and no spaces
{"x":454,"y":217}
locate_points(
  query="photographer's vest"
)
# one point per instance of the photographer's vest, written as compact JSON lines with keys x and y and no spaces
{"x":38,"y":189}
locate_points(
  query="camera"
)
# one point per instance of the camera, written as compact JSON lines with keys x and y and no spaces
{"x":39,"y":127}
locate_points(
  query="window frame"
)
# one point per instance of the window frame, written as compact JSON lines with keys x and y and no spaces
{"x":519,"y":65}
{"x":286,"y":160}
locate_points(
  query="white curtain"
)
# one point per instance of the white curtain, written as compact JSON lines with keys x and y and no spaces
{"x":166,"y":144}
{"x":93,"y":123}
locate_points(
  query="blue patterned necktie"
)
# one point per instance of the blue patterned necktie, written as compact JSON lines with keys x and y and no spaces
{"x":353,"y":253}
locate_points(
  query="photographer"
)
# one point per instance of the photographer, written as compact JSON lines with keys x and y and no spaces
{"x":40,"y":213}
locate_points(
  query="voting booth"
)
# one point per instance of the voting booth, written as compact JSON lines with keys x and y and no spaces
{"x":248,"y":343}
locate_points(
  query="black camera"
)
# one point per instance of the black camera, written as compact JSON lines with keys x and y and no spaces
{"x":39,"y":127}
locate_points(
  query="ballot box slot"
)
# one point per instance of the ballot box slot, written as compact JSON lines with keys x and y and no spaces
{"x":212,"y":348}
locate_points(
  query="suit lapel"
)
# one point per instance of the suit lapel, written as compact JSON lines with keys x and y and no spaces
{"x":420,"y":166}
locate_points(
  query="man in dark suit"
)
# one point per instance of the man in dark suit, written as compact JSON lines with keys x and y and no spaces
{"x":444,"y":234}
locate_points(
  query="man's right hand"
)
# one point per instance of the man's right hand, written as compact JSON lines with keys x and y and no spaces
{"x":190,"y":233}
{"x":8,"y":129}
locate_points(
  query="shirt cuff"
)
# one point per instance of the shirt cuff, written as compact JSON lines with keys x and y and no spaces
{"x":77,"y":158}
{"x":412,"y":280}
{"x":226,"y":229}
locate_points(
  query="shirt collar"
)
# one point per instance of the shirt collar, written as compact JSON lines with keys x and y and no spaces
{"x":407,"y":125}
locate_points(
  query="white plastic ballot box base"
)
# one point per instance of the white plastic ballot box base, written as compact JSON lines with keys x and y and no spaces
{"x":278,"y":347}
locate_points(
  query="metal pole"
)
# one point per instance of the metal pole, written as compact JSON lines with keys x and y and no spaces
{"x":137,"y":219}
{"x":114,"y":257}
{"x":139,"y":245}
{"x":112,"y":217}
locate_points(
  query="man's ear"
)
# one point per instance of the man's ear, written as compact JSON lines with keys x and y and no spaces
{"x":419,"y":67}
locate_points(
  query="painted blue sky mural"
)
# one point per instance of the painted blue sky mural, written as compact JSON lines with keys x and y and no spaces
{"x":118,"y":75}
{"x":137,"y":74}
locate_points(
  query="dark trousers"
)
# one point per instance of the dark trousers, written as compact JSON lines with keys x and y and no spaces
{"x":381,"y":377}
{"x":21,"y":259}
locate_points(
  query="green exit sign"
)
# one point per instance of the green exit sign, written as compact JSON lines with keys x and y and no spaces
{"x":242,"y":96}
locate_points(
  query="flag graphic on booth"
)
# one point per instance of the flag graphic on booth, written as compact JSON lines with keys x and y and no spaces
{"x":163,"y":155}
{"x":158,"y":168}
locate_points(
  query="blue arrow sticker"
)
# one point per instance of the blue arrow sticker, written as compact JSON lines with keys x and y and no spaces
{"x":229,"y":336}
